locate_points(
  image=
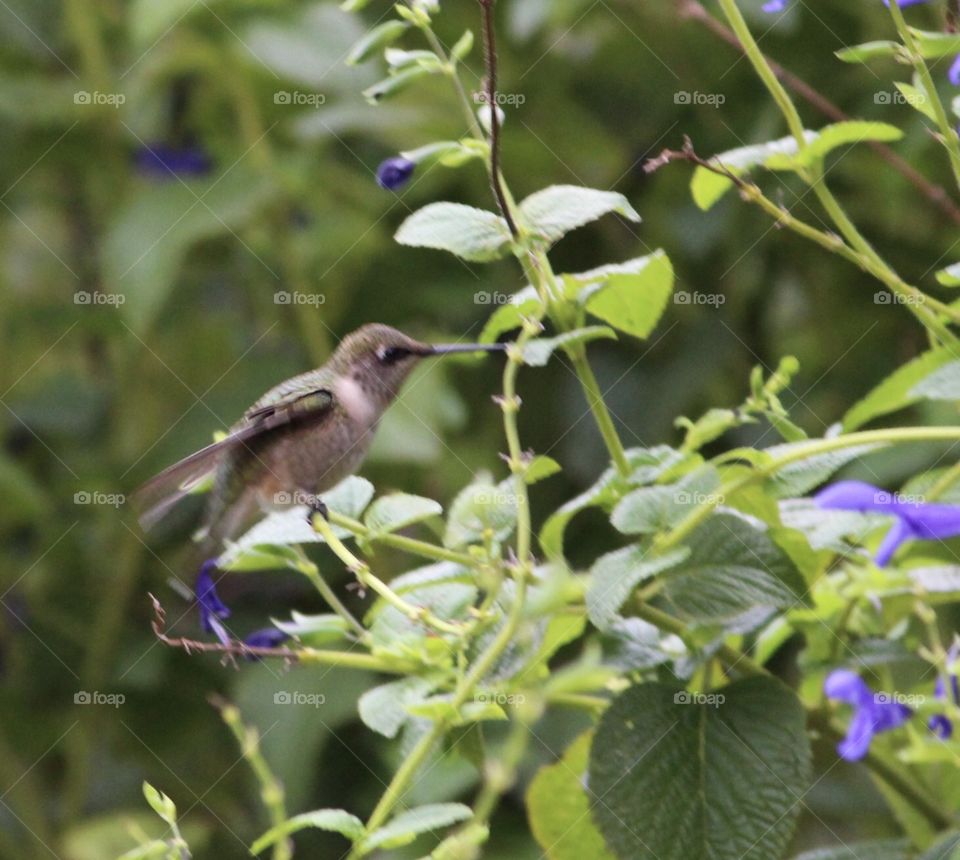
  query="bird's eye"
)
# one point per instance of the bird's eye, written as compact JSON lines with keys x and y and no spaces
{"x":392,"y":354}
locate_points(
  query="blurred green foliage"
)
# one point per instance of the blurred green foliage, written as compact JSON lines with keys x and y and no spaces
{"x":182,"y":329}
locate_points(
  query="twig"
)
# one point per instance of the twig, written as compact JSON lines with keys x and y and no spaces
{"x":490,"y":61}
{"x":937,"y":195}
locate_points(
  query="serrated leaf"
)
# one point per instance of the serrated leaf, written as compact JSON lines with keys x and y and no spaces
{"x":653,"y":509}
{"x":733,"y":567}
{"x":537,"y":352}
{"x":614,"y":576}
{"x":404,"y":827}
{"x":379,"y":37}
{"x":730,"y":774}
{"x":398,"y":510}
{"x":647,"y":464}
{"x":558,"y":807}
{"x":708,"y":187}
{"x":334,"y":820}
{"x":472,"y":234}
{"x":895,"y":391}
{"x":803,"y":475}
{"x":481,"y":507}
{"x":634,"y":302}
{"x":558,"y":209}
{"x":384,"y":708}
{"x":942,"y":384}
{"x":868,"y":51}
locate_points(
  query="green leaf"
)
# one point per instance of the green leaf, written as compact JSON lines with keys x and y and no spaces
{"x":480,"y":508}
{"x":708,"y":187}
{"x":950,"y":276}
{"x":868,"y":51}
{"x":379,"y":37}
{"x":633,"y":302}
{"x":508,"y":316}
{"x":403,"y":828}
{"x":384,"y":708}
{"x":462,"y":46}
{"x":614,"y":576}
{"x":733,"y":566}
{"x":653,"y":509}
{"x":396,"y":83}
{"x":398,"y":510}
{"x":917,"y":98}
{"x":832,"y":136}
{"x":942,"y":384}
{"x":879,"y":849}
{"x":540,"y":467}
{"x":335,"y":820}
{"x":537,"y":352}
{"x":288,"y":527}
{"x":895,"y":391}
{"x":558,"y":807}
{"x":803,"y":475}
{"x":933,"y":45}
{"x":314,"y":630}
{"x":647,"y":465}
{"x":472,"y":234}
{"x":160,"y":803}
{"x":730,"y":773}
{"x":555,"y":211}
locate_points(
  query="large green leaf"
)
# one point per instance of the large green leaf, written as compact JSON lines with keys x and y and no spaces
{"x":555,"y":211}
{"x":558,"y":807}
{"x":633,"y":301}
{"x":652,"y":509}
{"x":734,"y":567}
{"x":806,"y":473}
{"x":472,"y":234}
{"x":398,"y":510}
{"x":732,"y":774}
{"x":897,"y":390}
{"x":832,"y":136}
{"x":479,"y":509}
{"x":384,"y":708}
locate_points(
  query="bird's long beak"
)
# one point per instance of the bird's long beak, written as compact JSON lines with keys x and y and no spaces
{"x":447,"y":348}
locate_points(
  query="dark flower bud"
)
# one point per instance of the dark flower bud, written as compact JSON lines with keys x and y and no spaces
{"x":395,"y":172}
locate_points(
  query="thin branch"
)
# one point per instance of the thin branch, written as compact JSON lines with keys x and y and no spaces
{"x":694,"y":10}
{"x":490,"y":62}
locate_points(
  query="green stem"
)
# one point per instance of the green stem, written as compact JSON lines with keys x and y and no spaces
{"x":366,"y":577}
{"x":949,"y":136}
{"x":407,"y":544}
{"x":271,"y":791}
{"x":500,"y":774}
{"x":350,"y":660}
{"x":312,"y":572}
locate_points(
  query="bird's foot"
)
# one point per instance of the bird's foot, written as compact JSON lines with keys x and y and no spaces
{"x":317,"y":506}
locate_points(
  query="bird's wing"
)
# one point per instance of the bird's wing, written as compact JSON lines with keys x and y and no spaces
{"x":158,"y":495}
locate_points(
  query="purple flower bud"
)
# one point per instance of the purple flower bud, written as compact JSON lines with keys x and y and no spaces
{"x":941,"y":726}
{"x":774,"y":6}
{"x":395,"y":172}
{"x":267,"y":637}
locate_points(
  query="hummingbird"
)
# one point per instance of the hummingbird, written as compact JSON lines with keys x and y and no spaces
{"x":300,"y":439}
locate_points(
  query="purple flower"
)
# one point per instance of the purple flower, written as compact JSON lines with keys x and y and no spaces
{"x":212,"y":608}
{"x":940,"y":724}
{"x":954,"y":73}
{"x":774,"y":6}
{"x":902,"y":3}
{"x":395,"y":172}
{"x":872,"y":713}
{"x":162,"y":161}
{"x":915,"y":520}
{"x":267,"y":637}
